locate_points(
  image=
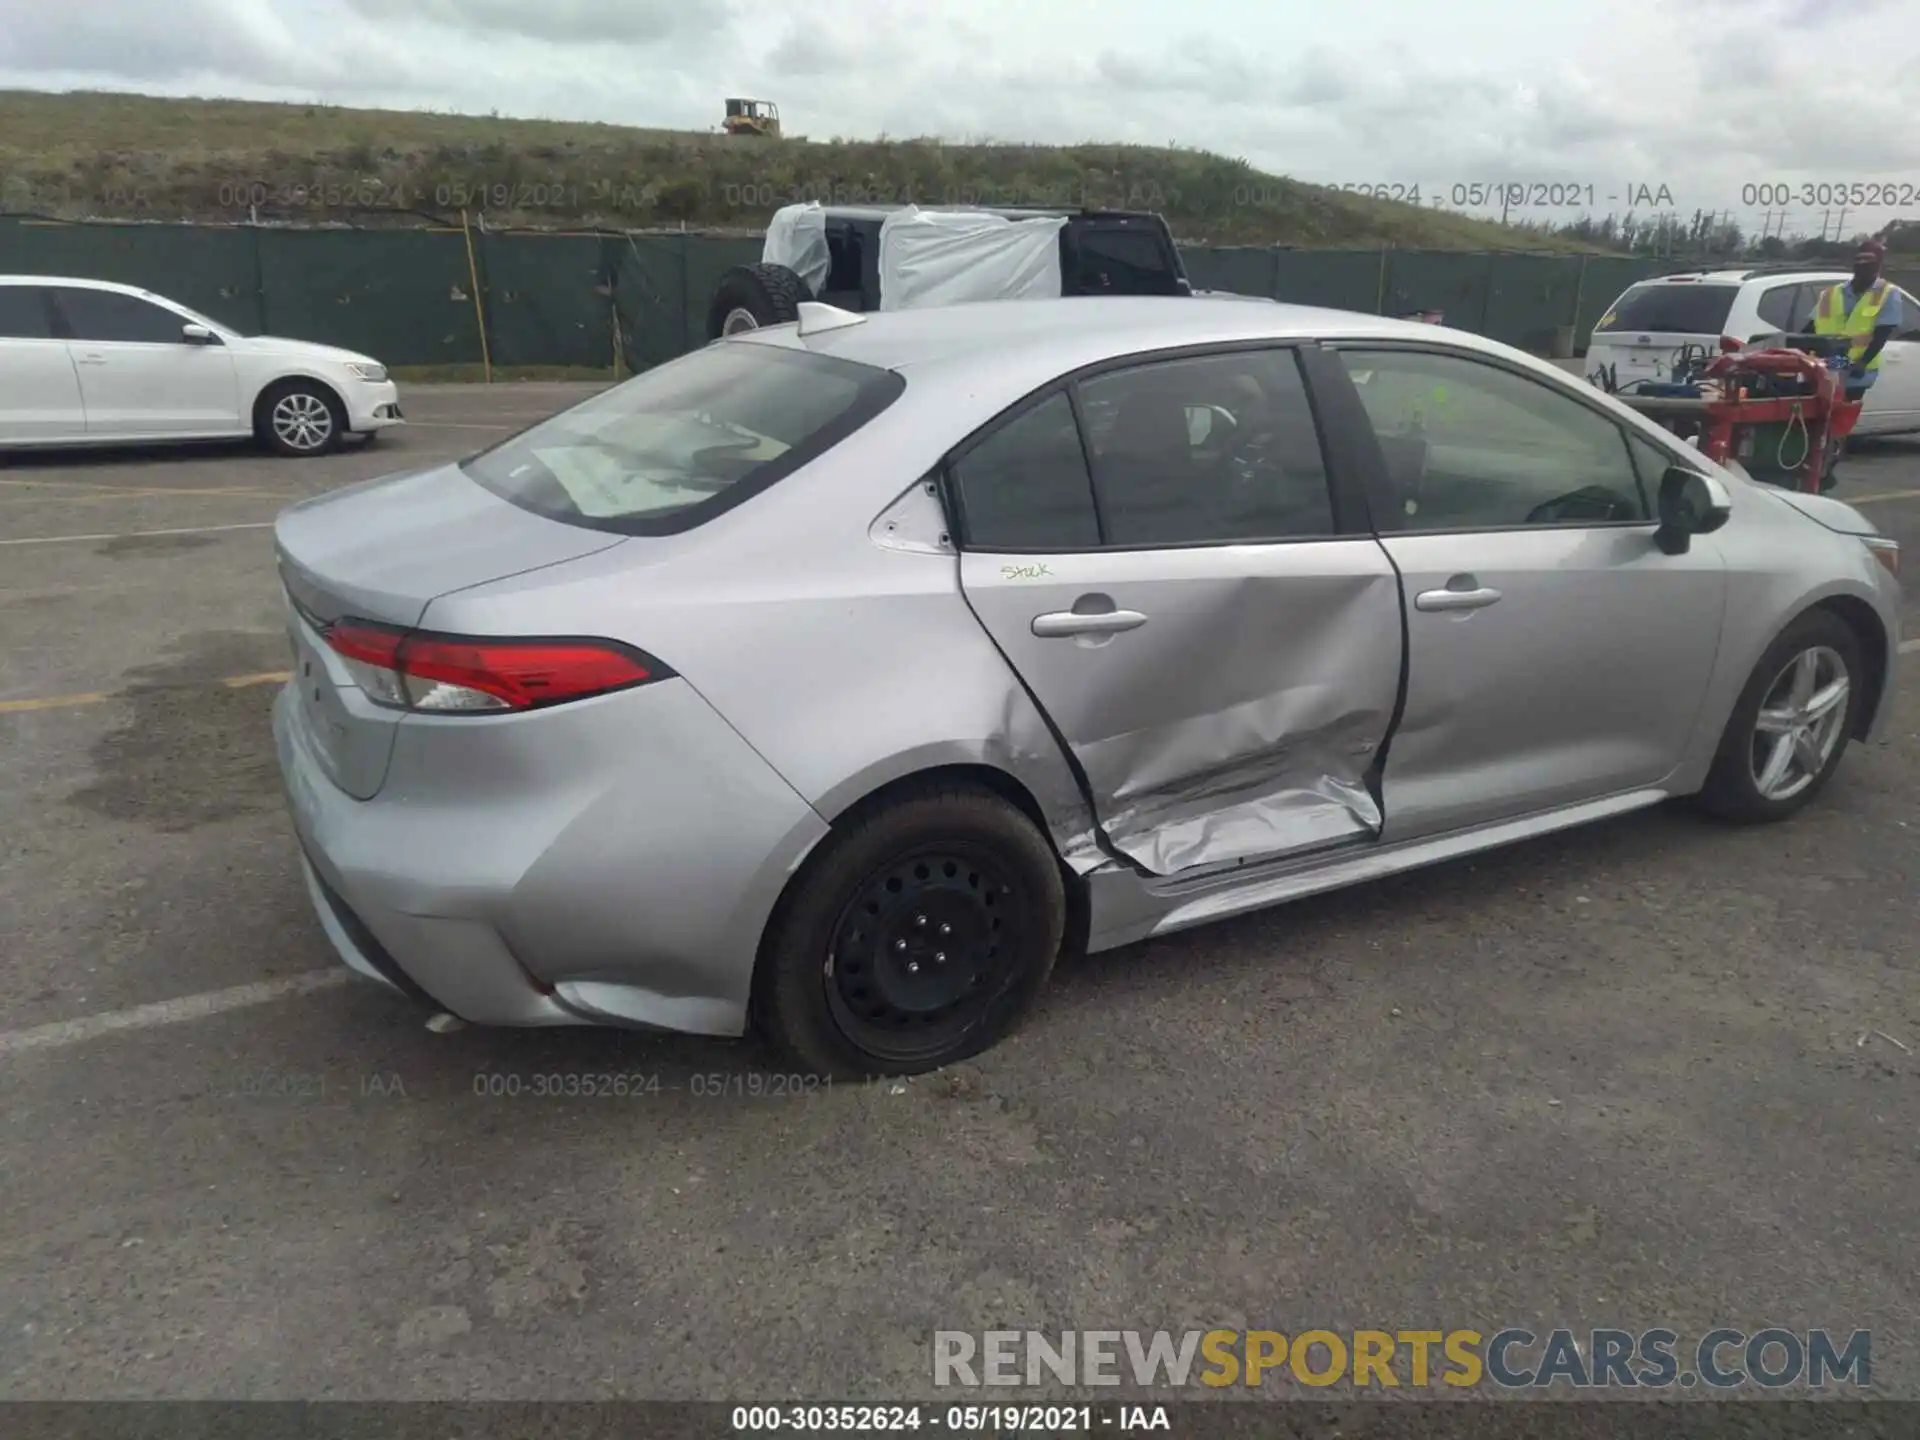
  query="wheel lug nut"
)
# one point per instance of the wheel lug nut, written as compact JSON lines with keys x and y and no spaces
{"x":913,"y":967}
{"x":940,"y":957}
{"x":946,"y":929}
{"x":899,"y":944}
{"x":920,"y":920}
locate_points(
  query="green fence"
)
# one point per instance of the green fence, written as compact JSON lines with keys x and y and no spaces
{"x":546,"y":299}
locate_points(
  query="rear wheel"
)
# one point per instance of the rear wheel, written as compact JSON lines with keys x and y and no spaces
{"x":300,"y":417}
{"x":1790,"y":726}
{"x":919,"y":936}
{"x":752,"y":296}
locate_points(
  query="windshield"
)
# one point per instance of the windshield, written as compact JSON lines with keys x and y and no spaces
{"x":1671,"y":309}
{"x":678,"y":444}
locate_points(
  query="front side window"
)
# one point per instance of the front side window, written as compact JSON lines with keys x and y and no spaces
{"x":107,"y":315}
{"x":1471,"y":446}
{"x":1217,"y":448}
{"x":682,"y":442}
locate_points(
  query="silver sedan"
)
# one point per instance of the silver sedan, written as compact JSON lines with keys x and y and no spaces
{"x":832,"y":679}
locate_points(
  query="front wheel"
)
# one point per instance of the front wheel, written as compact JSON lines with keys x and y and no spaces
{"x":1790,"y":726}
{"x":299,"y":417}
{"x":918,"y":936}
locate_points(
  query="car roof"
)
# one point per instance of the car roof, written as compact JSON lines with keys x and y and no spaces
{"x":880,"y":212}
{"x":1064,"y":334}
{"x":1742,"y":276}
{"x":79,"y":282}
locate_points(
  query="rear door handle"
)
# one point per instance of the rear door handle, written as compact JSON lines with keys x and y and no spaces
{"x":91,"y":357}
{"x":1059,"y":623}
{"x":1455,"y":599}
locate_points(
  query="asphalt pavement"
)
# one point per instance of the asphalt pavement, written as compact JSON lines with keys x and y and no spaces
{"x":1655,"y":1073}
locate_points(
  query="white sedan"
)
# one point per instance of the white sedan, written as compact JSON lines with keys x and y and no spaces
{"x":89,"y":362}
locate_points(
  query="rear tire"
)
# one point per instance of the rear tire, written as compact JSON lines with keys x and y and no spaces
{"x":1776,"y":754}
{"x":919,"y":935}
{"x":300,"y":418}
{"x":750,"y":297}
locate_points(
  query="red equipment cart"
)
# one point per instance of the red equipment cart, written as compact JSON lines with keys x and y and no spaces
{"x":1824,"y":411}
{"x":1743,"y":390}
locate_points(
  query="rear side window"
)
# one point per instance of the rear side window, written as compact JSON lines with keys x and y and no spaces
{"x":680,"y":443}
{"x":107,"y":315}
{"x":1025,"y":486}
{"x":1780,"y":306}
{"x":1111,"y":260}
{"x":1669,"y":309}
{"x":23,"y":313}
{"x":1212,"y":449}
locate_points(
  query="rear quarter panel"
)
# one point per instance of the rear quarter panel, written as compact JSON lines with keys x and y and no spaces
{"x":844,"y":663}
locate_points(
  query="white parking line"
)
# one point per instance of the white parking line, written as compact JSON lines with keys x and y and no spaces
{"x":166,"y":1012}
{"x":139,"y":534}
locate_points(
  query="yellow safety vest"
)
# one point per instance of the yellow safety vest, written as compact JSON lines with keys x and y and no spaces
{"x":1829,"y":318}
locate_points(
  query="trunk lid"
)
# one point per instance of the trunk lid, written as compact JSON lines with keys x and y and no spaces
{"x":383,"y":551}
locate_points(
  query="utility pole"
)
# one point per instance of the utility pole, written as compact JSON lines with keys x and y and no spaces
{"x":1840,"y":225}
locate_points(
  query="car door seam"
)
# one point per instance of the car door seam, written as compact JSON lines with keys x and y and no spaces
{"x":1081,"y":780}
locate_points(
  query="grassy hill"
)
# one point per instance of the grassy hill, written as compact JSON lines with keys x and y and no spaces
{"x":112,"y":155}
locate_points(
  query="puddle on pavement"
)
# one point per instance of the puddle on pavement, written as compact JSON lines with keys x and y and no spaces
{"x":185,"y":750}
{"x":124,"y":545}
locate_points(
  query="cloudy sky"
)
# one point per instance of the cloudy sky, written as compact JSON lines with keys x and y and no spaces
{"x":1706,"y":98}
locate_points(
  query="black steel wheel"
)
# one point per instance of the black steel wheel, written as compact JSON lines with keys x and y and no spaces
{"x":918,"y":936}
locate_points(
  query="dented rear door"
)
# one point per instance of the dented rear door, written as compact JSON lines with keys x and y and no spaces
{"x":1221,"y":661}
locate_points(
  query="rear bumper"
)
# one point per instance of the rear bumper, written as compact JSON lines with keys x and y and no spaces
{"x":373,"y":406}
{"x":611,"y":862}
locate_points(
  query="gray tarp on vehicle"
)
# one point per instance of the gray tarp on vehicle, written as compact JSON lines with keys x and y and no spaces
{"x":797,"y":239}
{"x":949,"y":257}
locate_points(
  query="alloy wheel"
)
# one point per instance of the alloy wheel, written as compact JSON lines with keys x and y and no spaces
{"x":1800,"y":723}
{"x":302,"y":421}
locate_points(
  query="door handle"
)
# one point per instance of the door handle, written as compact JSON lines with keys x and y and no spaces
{"x":1479,"y":599}
{"x":92,"y":357}
{"x":1058,"y":623}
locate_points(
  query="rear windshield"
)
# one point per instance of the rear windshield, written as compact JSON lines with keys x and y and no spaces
{"x":678,"y":444}
{"x":1672,"y":309}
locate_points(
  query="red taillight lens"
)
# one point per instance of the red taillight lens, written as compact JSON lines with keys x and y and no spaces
{"x":524,"y":673}
{"x":454,"y":674}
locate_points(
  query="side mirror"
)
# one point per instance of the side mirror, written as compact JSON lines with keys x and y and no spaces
{"x":1690,"y":504}
{"x":198,"y":335}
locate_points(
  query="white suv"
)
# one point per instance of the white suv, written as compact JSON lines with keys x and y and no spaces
{"x":1648,"y":329}
{"x":88,"y":362}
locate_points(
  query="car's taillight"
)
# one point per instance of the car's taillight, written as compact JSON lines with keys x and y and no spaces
{"x":460,"y":674}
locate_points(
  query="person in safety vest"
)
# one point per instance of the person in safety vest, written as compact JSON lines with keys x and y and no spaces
{"x":1866,"y":310}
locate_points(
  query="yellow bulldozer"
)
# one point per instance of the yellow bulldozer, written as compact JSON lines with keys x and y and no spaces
{"x":753,"y":117}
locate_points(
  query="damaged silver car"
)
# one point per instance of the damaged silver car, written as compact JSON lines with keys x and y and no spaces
{"x":831,"y":679}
